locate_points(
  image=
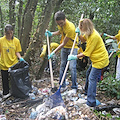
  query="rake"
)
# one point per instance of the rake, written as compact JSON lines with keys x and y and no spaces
{"x":56,"y":98}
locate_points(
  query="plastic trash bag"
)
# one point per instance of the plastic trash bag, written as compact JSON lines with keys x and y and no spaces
{"x":20,"y":83}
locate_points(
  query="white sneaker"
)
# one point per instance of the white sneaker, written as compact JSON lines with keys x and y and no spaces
{"x":72,"y":92}
{"x":6,"y":96}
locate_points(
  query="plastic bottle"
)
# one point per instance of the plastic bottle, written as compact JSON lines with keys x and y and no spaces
{"x":32,"y":96}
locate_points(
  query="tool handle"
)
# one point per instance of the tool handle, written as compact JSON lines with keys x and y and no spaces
{"x":70,"y":54}
{"x":50,"y":62}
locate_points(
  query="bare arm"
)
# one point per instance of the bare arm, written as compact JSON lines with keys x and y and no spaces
{"x":18,"y":55}
{"x":80,"y":55}
{"x":61,"y":45}
{"x":82,"y":39}
{"x":56,"y":33}
{"x":112,"y":37}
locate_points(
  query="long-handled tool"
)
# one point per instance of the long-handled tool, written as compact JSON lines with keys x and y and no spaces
{"x":70,"y":54}
{"x":56,"y":98}
{"x":50,"y":66}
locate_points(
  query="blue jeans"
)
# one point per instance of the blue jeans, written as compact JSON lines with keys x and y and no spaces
{"x":72,"y":67}
{"x":92,"y":77}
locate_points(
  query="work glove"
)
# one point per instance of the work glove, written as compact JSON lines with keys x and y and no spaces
{"x":49,"y":33}
{"x":105,"y":34}
{"x":77,"y":30}
{"x":21,"y":59}
{"x":72,"y":57}
{"x":51,"y":55}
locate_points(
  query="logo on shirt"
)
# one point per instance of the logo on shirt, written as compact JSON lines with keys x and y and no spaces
{"x":7,"y":50}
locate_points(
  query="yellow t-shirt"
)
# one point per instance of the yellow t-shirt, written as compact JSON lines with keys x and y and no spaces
{"x":52,"y":47}
{"x":68,"y":30}
{"x":118,"y":40}
{"x":8,"y":49}
{"x":95,"y":49}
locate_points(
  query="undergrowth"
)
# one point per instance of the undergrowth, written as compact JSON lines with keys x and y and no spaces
{"x":110,"y":86}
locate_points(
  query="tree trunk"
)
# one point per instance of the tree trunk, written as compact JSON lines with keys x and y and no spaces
{"x":19,"y":17}
{"x":40,"y":34}
{"x":12,"y":12}
{"x":52,"y":28}
{"x":27,"y":24}
{"x":2,"y":24}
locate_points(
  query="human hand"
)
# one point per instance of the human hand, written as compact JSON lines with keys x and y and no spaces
{"x":51,"y":55}
{"x":105,"y":34}
{"x":49,"y":33}
{"x":77,"y":30}
{"x":21,"y":59}
{"x":72,"y":57}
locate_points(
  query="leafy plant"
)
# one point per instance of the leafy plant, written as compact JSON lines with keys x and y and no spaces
{"x":104,"y":116}
{"x":110,"y":86}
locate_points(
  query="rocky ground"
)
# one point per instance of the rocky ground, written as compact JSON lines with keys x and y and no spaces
{"x":20,"y":109}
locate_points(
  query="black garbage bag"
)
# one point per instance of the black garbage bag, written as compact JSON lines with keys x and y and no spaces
{"x":20,"y":82}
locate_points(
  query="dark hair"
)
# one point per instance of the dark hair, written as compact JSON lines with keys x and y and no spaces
{"x":59,"y":15}
{"x":8,"y":27}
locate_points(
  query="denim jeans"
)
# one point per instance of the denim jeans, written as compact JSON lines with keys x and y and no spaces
{"x":72,"y":67}
{"x":92,"y":77}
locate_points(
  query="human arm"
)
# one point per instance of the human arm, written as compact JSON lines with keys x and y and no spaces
{"x":77,"y":30}
{"x":112,"y":37}
{"x":74,"y":57}
{"x":59,"y":47}
{"x":19,"y":56}
{"x":51,"y":33}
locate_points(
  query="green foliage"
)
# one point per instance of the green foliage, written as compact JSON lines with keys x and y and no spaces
{"x":110,"y":86}
{"x":103,"y":116}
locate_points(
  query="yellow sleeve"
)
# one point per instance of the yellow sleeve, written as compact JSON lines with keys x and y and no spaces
{"x":43,"y":51}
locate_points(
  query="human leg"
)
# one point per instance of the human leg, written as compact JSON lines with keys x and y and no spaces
{"x":5,"y":81}
{"x":72,"y":67}
{"x":91,"y":93}
{"x":64,"y":57}
{"x":118,"y":69}
{"x":87,"y":75}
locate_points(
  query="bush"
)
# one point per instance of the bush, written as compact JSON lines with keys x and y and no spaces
{"x":110,"y":86}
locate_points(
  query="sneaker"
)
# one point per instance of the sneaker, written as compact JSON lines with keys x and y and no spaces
{"x":63,"y":89}
{"x":72,"y":92}
{"x":6,"y":96}
{"x":97,"y":102}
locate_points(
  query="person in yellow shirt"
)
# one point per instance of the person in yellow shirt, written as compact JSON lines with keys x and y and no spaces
{"x":9,"y":54}
{"x":67,"y":30}
{"x":96,"y":51}
{"x":116,"y":37}
{"x":53,"y":46}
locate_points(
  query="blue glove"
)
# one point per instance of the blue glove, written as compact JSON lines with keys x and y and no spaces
{"x":51,"y":55}
{"x":21,"y":59}
{"x":72,"y":57}
{"x":49,"y":33}
{"x":77,"y":30}
{"x":105,"y":34}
